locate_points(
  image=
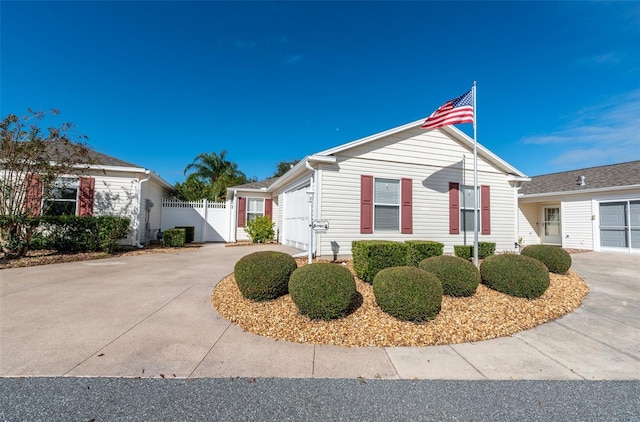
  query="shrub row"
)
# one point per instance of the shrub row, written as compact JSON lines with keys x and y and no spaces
{"x":68,"y":233}
{"x":485,"y":249}
{"x":174,"y":238}
{"x":515,"y":275}
{"x":371,"y":256}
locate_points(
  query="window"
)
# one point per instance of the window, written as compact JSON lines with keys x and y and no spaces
{"x":63,"y":198}
{"x":466,"y":208}
{"x":255,"y":208}
{"x":386,"y":204}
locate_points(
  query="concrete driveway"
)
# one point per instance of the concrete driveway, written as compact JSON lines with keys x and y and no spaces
{"x":151,"y":316}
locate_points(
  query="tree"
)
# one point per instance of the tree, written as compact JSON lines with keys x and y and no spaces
{"x":211,"y":175}
{"x":284,"y":166}
{"x":31,"y":161}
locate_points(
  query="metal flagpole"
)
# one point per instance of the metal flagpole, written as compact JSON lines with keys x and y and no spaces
{"x":475,"y":179}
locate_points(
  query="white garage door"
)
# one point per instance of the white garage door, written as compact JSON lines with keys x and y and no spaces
{"x":296,"y":218}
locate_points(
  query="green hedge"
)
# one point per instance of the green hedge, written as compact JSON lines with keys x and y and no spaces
{"x":371,"y":256}
{"x":174,"y":238}
{"x":322,"y":290}
{"x":189,"y":233}
{"x":264,"y":275}
{"x":408,"y":293}
{"x":515,"y":275}
{"x":458,"y":276}
{"x":485,"y":249}
{"x":555,"y":258}
{"x":68,"y":233}
{"x":417,"y":250}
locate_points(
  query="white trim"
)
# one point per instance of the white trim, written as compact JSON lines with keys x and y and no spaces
{"x":577,"y":192}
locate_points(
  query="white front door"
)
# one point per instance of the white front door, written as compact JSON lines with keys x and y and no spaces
{"x":551,"y":229}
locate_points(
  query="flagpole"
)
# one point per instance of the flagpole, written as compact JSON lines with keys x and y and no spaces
{"x":475,"y":178}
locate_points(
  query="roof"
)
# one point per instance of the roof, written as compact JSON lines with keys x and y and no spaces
{"x":95,"y":157}
{"x":101,"y":161}
{"x":602,"y":177}
{"x":261,"y":185}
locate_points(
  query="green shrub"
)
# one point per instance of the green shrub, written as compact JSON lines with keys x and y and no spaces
{"x":322,"y":290}
{"x":408,"y":293}
{"x":174,"y":238}
{"x":417,"y":250}
{"x":555,"y":258}
{"x":190,"y":233}
{"x":463,"y":251}
{"x":110,"y":230}
{"x":458,"y":276}
{"x":68,"y":233}
{"x":515,"y":275}
{"x":260,"y":229}
{"x":486,"y":249}
{"x":371,"y":256}
{"x":264,"y":275}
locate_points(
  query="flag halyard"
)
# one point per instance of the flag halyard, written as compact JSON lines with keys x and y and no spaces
{"x":458,"y":110}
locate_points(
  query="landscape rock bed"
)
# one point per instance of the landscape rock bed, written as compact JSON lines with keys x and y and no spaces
{"x":487,"y":314}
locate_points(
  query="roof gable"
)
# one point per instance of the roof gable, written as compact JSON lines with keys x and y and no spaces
{"x":450,"y":131}
{"x":602,"y":177}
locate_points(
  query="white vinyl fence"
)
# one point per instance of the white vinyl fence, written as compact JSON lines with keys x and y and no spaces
{"x":210,"y":219}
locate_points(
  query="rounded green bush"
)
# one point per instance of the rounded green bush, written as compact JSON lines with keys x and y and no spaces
{"x":515,"y":275}
{"x":264,"y":275}
{"x":458,"y":276}
{"x":555,"y":258}
{"x":322,"y":290}
{"x":408,"y":293}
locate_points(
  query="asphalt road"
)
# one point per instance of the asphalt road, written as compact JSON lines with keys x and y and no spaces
{"x":273,"y":399}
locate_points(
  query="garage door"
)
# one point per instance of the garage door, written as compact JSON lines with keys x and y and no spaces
{"x":296,"y":218}
{"x":620,"y":224}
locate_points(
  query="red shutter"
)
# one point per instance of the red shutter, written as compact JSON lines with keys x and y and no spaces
{"x":366,"y":204}
{"x":33,"y":197}
{"x":406,"y":213}
{"x":485,"y":216}
{"x":242,"y":212}
{"x":454,"y":208}
{"x":85,"y":197}
{"x":268,"y":208}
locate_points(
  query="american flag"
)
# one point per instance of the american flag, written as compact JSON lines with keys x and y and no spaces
{"x":459,"y":110}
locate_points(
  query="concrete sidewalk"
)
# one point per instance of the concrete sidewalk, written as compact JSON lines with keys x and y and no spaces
{"x":151,"y":316}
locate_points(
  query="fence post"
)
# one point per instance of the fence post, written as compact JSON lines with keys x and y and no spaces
{"x":204,"y":221}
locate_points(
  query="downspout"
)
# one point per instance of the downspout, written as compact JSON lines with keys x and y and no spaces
{"x":312,"y":185}
{"x":234,"y":217}
{"x":140,"y":182}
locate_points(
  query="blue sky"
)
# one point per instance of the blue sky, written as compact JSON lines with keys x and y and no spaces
{"x":157,"y":83}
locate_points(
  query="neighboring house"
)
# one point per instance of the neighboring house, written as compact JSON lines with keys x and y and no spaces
{"x":108,"y":186}
{"x":595,"y":208}
{"x":402,"y":184}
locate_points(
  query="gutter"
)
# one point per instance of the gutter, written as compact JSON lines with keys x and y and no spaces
{"x":140,"y":182}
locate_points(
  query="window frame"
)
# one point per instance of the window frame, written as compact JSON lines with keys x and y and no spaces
{"x":254,"y":214}
{"x":397,"y":205}
{"x":62,"y":183}
{"x":465,"y":209}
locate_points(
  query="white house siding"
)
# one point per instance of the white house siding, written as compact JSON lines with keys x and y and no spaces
{"x":431,"y":160}
{"x":528,"y":223}
{"x":577,"y":227}
{"x":117,"y":195}
{"x":241,"y":234}
{"x":151,"y":220}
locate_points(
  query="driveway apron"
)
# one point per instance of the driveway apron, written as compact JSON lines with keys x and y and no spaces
{"x":151,"y":316}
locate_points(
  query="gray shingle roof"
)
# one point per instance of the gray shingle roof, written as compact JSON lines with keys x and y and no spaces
{"x":623,"y":174}
{"x":256,"y":185}
{"x":95,"y":157}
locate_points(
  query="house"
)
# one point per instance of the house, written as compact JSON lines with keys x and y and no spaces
{"x":401,"y":184}
{"x":596,"y":208}
{"x":107,"y":186}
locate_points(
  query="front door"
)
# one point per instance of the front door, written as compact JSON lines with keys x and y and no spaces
{"x":552,"y":233}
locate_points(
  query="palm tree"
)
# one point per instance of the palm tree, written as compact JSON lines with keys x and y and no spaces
{"x":215,"y":170}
